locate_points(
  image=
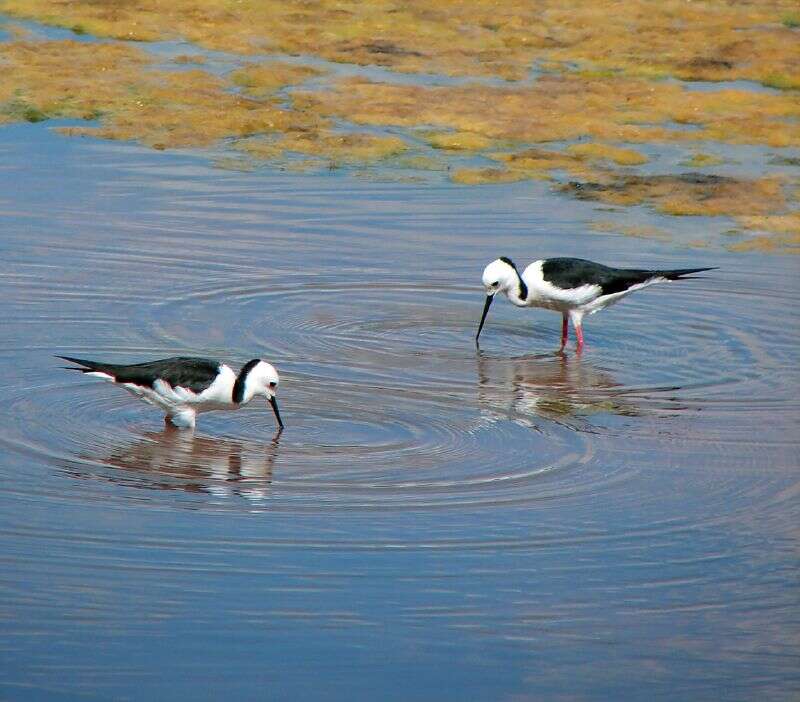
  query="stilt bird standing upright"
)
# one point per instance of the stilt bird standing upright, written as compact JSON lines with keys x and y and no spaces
{"x":572,"y":286}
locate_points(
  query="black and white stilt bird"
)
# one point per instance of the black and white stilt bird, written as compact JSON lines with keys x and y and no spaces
{"x":183,"y":387}
{"x":572,"y":286}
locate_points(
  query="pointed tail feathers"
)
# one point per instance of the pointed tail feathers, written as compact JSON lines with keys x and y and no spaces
{"x":88,"y":366}
{"x":679,"y":273}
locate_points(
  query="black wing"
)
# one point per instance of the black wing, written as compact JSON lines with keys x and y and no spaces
{"x":194,"y":374}
{"x":569,"y":273}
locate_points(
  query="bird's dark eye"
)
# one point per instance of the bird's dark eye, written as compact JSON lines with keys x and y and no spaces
{"x":496,"y":283}
{"x":273,"y":385}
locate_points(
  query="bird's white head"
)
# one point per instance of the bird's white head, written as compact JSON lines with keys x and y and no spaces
{"x":500,"y":276}
{"x":258,"y":378}
{"x":262,"y":379}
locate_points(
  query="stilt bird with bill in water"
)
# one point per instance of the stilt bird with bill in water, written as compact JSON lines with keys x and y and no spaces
{"x":572,"y":286}
{"x":183,"y":386}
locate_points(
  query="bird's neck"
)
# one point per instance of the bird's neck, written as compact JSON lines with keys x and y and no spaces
{"x":242,"y":391}
{"x":517,"y":292}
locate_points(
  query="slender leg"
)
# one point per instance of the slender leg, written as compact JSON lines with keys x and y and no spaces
{"x":577,"y":320}
{"x":564,"y":331}
{"x":579,"y":334}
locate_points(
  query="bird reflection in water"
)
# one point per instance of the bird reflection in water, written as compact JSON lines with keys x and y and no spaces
{"x":551,"y":386}
{"x":179,"y":460}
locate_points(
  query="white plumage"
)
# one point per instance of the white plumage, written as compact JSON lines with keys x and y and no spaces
{"x":572,"y":286}
{"x":183,"y":387}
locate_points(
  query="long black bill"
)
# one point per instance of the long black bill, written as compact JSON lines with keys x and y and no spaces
{"x":486,"y":307}
{"x":274,"y":404}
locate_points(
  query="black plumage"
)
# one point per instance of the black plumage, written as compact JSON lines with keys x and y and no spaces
{"x":567,"y":273}
{"x":194,"y":374}
{"x":523,"y":289}
{"x":238,"y":386}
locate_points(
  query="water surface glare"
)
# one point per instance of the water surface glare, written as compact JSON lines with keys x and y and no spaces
{"x":436,"y":521}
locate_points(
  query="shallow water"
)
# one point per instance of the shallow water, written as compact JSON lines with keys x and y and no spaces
{"x":435,"y":522}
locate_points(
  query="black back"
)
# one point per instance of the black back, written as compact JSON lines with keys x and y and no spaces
{"x":194,"y":374}
{"x":566,"y":273}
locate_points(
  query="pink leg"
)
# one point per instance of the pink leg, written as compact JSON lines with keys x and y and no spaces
{"x":579,"y":334}
{"x":564,"y":331}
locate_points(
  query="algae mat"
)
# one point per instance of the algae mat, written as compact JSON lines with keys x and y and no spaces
{"x":590,"y":97}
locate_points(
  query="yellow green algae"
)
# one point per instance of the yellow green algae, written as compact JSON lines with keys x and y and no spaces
{"x":778,"y":233}
{"x":635,"y":231}
{"x":702,"y":160}
{"x":565,"y":107}
{"x":458,"y":141}
{"x":189,"y":58}
{"x":336,"y":148}
{"x":261,"y":79}
{"x":688,"y":194}
{"x":192,"y":108}
{"x":604,"y":83}
{"x":605,"y":152}
{"x":711,"y":40}
{"x":482,"y":176}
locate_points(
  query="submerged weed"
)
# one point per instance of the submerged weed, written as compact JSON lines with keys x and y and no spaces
{"x":702,"y":160}
{"x":604,"y":152}
{"x":458,"y":141}
{"x":18,"y":110}
{"x":779,"y":233}
{"x":688,"y":194}
{"x":782,"y":81}
{"x":791,"y":20}
{"x":483,"y":176}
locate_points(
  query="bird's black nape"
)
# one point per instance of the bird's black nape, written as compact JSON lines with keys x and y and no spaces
{"x":523,"y":288}
{"x":238,"y":386}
